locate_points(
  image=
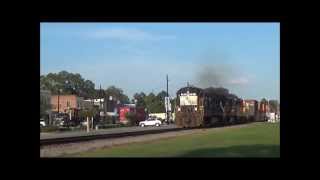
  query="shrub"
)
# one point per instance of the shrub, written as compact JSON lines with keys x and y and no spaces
{"x":49,"y":129}
{"x":132,"y":118}
{"x":54,"y":129}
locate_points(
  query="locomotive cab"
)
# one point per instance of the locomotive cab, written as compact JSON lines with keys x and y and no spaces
{"x":189,"y":109}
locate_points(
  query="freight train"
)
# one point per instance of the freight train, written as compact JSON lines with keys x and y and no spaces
{"x":197,"y":107}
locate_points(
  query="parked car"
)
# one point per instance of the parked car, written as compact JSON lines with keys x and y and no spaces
{"x":150,"y":122}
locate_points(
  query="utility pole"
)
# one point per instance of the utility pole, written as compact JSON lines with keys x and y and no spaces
{"x":105,"y":101}
{"x":167,"y":104}
{"x":100,"y":99}
{"x":58,"y":100}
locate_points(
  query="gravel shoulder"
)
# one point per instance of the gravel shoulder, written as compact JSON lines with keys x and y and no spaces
{"x":66,"y":150}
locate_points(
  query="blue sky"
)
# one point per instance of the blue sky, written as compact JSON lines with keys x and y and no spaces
{"x":243,"y":57}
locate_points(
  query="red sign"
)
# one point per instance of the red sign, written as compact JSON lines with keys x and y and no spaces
{"x":122,"y":114}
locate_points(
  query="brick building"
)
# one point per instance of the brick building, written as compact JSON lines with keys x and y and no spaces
{"x":67,"y":102}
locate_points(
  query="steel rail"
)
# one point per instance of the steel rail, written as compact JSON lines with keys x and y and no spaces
{"x":64,"y":140}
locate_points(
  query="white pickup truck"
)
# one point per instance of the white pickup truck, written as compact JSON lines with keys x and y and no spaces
{"x":150,"y":122}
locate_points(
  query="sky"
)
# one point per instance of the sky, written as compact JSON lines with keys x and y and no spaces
{"x":243,"y":57}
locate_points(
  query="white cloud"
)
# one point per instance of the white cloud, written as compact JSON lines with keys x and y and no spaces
{"x":127,"y":34}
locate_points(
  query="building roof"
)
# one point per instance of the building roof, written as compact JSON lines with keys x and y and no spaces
{"x":67,"y":95}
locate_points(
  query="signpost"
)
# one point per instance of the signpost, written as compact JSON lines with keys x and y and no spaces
{"x":167,"y":102}
{"x":168,"y":108}
{"x":88,"y":124}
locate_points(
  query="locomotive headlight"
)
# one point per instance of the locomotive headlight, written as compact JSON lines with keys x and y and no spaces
{"x":195,"y":109}
{"x":179,"y":109}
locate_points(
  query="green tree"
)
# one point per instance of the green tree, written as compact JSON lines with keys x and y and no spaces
{"x":117,"y":94}
{"x":69,"y":83}
{"x":160,"y":107}
{"x":44,"y":107}
{"x":45,"y":104}
{"x":132,"y":118}
{"x":153,"y":103}
{"x":162,"y":95}
{"x":274,"y":105}
{"x":89,"y":112}
{"x":173,"y":104}
{"x":140,"y":97}
{"x":149,"y":101}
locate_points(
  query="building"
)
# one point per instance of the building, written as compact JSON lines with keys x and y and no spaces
{"x":45,"y":104}
{"x":263,"y":109}
{"x":45,"y":97}
{"x":69,"y":104}
{"x":96,"y":102}
{"x":250,"y":106}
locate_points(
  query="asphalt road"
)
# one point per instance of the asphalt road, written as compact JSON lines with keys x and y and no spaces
{"x":102,"y":131}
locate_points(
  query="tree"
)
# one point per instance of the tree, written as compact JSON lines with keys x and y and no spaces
{"x":44,"y":107}
{"x":162,"y":95}
{"x":173,"y":104}
{"x":140,"y":97}
{"x":274,"y":105}
{"x":117,"y":94}
{"x":161,"y":102}
{"x":153,"y":103}
{"x":89,"y":112}
{"x":132,"y":118}
{"x":69,"y":83}
{"x":263,"y":100}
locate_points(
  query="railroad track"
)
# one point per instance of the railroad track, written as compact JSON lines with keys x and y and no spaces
{"x":64,"y":140}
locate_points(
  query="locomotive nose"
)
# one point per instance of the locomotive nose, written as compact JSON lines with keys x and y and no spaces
{"x":188,"y":118}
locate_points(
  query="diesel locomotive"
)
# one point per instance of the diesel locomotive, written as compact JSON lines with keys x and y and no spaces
{"x":197,"y":107}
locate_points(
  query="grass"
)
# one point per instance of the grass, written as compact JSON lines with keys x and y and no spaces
{"x":254,"y":140}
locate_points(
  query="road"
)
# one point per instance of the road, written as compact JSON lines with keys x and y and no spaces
{"x":102,"y":131}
